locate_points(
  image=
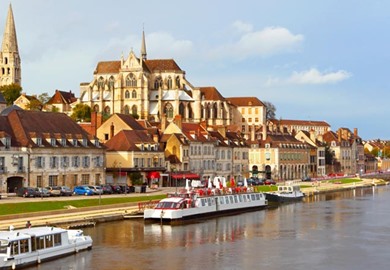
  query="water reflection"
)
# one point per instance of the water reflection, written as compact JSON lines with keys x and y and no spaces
{"x":328,"y":231}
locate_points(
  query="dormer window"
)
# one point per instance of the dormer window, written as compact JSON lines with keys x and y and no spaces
{"x":53,"y":142}
{"x":7,"y":143}
{"x":75,"y":142}
{"x":63,"y":142}
{"x":97,"y":143}
{"x":85,"y":142}
{"x":39,"y":141}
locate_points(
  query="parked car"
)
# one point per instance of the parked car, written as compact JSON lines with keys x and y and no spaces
{"x":54,"y":190}
{"x":116,"y":189}
{"x":82,"y":190}
{"x":269,"y":182}
{"x":27,"y":192}
{"x":107,"y":189}
{"x":66,"y":191}
{"x":43,"y":192}
{"x":97,"y":190}
{"x":306,"y":179}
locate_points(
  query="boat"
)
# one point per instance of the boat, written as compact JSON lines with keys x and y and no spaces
{"x":285,"y":193}
{"x":190,"y":204}
{"x":22,"y":247}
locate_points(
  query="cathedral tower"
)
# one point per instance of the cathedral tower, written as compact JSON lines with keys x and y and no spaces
{"x":10,"y":69}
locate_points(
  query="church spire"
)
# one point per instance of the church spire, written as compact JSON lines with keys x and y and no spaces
{"x":10,"y":66}
{"x":143,"y":46}
{"x":10,"y":42}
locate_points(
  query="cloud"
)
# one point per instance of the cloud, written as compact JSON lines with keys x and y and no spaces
{"x":264,"y":43}
{"x":164,"y":45}
{"x":311,"y":76}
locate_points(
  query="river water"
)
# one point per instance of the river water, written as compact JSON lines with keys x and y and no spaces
{"x":343,"y":230}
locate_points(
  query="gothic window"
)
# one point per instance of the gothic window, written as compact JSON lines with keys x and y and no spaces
{"x":223,"y":112}
{"x":169,"y":82}
{"x":178,"y":82}
{"x":158,"y":83}
{"x":208,"y":111}
{"x":215,"y":111}
{"x":100,"y":83}
{"x":107,"y":110}
{"x":6,"y":60}
{"x":2,"y":71}
{"x":168,"y":110}
{"x":134,"y":110}
{"x":181,"y":110}
{"x":190,"y":113}
{"x":111,"y":83}
{"x":131,"y":81}
{"x":126,"y":110}
{"x":134,"y":94}
{"x":127,"y":94}
{"x":96,"y":108}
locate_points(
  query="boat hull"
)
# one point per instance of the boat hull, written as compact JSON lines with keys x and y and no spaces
{"x":279,"y":198}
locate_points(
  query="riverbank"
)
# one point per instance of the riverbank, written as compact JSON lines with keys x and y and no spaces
{"x":90,"y":216}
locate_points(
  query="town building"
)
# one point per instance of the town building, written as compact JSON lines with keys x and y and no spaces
{"x":61,"y":101}
{"x":40,"y":149}
{"x":27,"y":102}
{"x":293,"y":126}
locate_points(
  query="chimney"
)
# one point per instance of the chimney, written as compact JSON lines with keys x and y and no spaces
{"x":112,"y":130}
{"x":339,"y":134}
{"x":312,"y":135}
{"x":355,"y":132}
{"x":163,"y":122}
{"x":93,"y":122}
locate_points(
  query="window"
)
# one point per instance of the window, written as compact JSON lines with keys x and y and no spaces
{"x":127,"y":94}
{"x":169,"y":82}
{"x":85,"y":179}
{"x":40,"y":162}
{"x":178,"y":82}
{"x":76,"y":161}
{"x":134,"y":94}
{"x":63,"y":142}
{"x":111,"y":83}
{"x":158,"y":83}
{"x":53,"y":180}
{"x":131,"y":81}
{"x":100,"y":83}
{"x":53,"y":162}
{"x":86,"y":161}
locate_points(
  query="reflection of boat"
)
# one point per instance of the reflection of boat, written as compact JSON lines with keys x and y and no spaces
{"x":19,"y":248}
{"x":190,"y":204}
{"x":288,"y":193}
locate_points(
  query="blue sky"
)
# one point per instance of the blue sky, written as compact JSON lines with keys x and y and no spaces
{"x":314,"y":60}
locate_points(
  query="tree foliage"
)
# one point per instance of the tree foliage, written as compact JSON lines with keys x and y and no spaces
{"x":44,"y":98}
{"x":11,"y":92}
{"x":34,"y":105}
{"x":270,"y":110}
{"x":81,"y":112}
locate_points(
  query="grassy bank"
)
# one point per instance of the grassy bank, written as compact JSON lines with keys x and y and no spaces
{"x":39,"y":206}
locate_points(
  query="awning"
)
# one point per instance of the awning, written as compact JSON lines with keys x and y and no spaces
{"x":185,"y":176}
{"x":153,"y":175}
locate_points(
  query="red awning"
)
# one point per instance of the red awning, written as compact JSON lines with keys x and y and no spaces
{"x":154,"y":175}
{"x":185,"y":176}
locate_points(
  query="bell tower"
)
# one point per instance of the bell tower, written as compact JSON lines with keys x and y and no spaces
{"x":10,"y":68}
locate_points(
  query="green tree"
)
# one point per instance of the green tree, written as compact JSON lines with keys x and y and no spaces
{"x":11,"y":92}
{"x":44,"y":98}
{"x":34,"y":105}
{"x":136,"y":178}
{"x":81,"y":112}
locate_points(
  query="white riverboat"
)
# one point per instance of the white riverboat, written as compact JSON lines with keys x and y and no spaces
{"x":196,"y":203}
{"x":22,"y":247}
{"x":285,"y":194}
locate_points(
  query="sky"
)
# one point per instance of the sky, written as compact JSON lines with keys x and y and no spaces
{"x":313,"y":60}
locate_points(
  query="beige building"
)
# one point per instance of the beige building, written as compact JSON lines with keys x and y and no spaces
{"x":25,"y":102}
{"x":293,"y":126}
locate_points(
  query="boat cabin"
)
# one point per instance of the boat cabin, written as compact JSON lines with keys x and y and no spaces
{"x":288,"y":189}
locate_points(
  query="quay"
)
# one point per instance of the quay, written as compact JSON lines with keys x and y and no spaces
{"x":90,"y":216}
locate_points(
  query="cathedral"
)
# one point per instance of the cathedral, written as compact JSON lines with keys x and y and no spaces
{"x":152,"y":90}
{"x":10,"y":68}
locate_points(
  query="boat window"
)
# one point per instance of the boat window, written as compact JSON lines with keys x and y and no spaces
{"x":57,"y":239}
{"x":23,"y":246}
{"x":14,"y":248}
{"x":235,"y":199}
{"x":253,"y":197}
{"x":244,"y":197}
{"x":221,"y":200}
{"x":231,"y":199}
{"x":227,"y":200}
{"x":33,"y":243}
{"x":249,"y":197}
{"x":240,"y":198}
{"x":41,"y":242}
{"x":258,"y":197}
{"x":48,"y":241}
{"x":203,"y":202}
{"x":209,"y":201}
{"x":3,"y":246}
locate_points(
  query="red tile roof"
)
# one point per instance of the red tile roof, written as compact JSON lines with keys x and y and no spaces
{"x":245,"y":101}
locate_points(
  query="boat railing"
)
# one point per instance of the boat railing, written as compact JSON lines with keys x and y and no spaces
{"x":148,"y":204}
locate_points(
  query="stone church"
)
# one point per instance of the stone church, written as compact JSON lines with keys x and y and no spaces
{"x":151,"y":90}
{"x":10,"y":68}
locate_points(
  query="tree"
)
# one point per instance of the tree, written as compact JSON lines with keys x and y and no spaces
{"x":81,"y":112}
{"x":44,"y":98}
{"x":11,"y":92}
{"x":34,"y":105}
{"x":270,"y":110}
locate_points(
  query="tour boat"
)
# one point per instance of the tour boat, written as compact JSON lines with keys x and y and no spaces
{"x":285,"y":193}
{"x":22,"y":247}
{"x":203,"y":202}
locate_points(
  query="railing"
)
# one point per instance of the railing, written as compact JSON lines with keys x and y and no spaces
{"x":149,"y":204}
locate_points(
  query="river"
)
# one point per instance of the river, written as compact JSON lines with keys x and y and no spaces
{"x":342,"y":230}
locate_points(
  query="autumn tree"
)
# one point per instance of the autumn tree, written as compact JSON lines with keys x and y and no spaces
{"x":11,"y":92}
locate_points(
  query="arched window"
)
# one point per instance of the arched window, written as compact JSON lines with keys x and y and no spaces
{"x":215,"y":111}
{"x":181,"y":110}
{"x":127,"y":94}
{"x":100,"y":83}
{"x":6,"y":60}
{"x":134,"y":94}
{"x":126,"y":110}
{"x":111,"y":83}
{"x":134,"y":110}
{"x":168,"y":110}
{"x":178,"y":82}
{"x":107,"y":110}
{"x":208,"y":111}
{"x":158,"y":83}
{"x":190,"y":113}
{"x":169,"y":82}
{"x":96,"y":108}
{"x":131,"y":81}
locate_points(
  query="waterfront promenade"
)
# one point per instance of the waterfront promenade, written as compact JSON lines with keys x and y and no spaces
{"x":92,"y":215}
